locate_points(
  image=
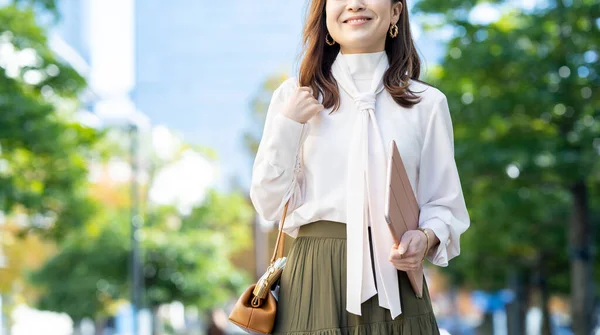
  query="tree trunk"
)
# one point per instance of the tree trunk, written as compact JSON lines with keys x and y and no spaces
{"x":543,"y":294}
{"x":547,"y":322}
{"x":487,"y":327}
{"x":580,"y":229}
{"x":517,"y":309}
{"x":582,"y":291}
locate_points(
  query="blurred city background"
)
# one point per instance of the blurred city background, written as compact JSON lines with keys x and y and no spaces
{"x":128,"y":130}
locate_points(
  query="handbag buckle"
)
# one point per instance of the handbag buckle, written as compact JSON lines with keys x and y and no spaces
{"x":267,"y":280}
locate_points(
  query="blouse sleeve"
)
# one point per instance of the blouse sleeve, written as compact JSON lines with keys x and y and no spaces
{"x":277,"y":174}
{"x":440,"y":195}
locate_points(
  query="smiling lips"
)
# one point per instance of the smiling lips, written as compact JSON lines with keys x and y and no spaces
{"x":357,"y":20}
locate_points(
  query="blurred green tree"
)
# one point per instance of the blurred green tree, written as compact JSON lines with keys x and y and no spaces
{"x":186,"y":259}
{"x":523,"y":91}
{"x":87,"y":277}
{"x":186,"y":256}
{"x":43,"y":151}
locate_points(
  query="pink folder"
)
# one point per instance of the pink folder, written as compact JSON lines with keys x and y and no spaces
{"x":402,"y":209}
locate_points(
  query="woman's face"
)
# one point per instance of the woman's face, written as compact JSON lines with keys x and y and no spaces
{"x":361,"y":26}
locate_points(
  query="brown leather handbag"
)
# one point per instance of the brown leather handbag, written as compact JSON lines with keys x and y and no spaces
{"x":255,"y":310}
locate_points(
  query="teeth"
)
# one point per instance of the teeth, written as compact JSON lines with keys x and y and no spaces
{"x":358,"y":20}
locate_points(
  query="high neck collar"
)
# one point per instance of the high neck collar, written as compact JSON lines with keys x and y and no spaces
{"x":362,"y":65}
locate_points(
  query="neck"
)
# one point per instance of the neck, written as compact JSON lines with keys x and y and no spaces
{"x":348,"y":50}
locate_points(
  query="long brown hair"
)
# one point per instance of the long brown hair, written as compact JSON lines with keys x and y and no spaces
{"x":318,"y":57}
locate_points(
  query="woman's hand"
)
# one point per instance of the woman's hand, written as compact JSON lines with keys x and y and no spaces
{"x":302,"y":105}
{"x":409,"y":255}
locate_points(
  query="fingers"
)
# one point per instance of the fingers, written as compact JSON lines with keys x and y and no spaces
{"x":306,"y":93}
{"x":404,"y":263}
{"x":405,"y":244}
{"x":394,"y":255}
{"x":318,"y":108}
{"x":400,"y":260}
{"x":406,"y":256}
{"x":307,"y":89}
{"x":409,"y":264}
{"x":302,"y":106}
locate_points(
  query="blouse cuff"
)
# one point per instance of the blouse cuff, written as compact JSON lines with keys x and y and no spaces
{"x":438,"y":255}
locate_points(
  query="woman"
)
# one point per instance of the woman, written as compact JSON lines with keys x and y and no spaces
{"x":323,"y":151}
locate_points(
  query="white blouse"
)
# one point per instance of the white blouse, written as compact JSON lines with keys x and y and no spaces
{"x":308,"y":164}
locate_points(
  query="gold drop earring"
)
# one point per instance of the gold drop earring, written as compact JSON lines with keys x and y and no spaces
{"x":330,"y":43}
{"x":394,"y":31}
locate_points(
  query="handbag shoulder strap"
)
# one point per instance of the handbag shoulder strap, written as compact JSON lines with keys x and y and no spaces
{"x":280,"y":244}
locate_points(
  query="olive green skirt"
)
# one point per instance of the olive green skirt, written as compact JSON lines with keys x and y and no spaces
{"x":312,"y":293}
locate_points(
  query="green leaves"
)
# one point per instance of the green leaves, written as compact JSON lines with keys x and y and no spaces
{"x":49,"y":5}
{"x":188,"y":259}
{"x":184,"y":259}
{"x":519,"y":90}
{"x":87,"y":276}
{"x":44,"y":152}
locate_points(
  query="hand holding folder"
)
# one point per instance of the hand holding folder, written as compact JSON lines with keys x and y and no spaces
{"x":402,"y":209}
